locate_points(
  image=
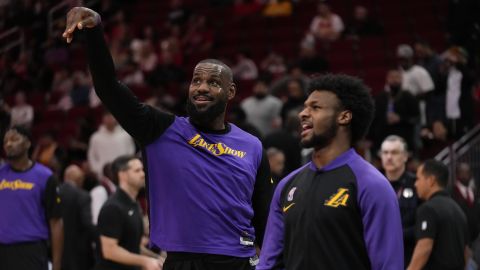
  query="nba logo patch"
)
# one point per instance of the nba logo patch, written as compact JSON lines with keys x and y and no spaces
{"x":290,"y":194}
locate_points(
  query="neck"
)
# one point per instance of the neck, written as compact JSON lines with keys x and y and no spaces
{"x":323,"y":156}
{"x":132,"y":192}
{"x":21,"y":164}
{"x":434,"y":190}
{"x":393,"y":176}
{"x":218,"y":123}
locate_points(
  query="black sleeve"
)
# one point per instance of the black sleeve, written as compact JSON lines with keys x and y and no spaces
{"x":141,"y":121}
{"x":51,"y":199}
{"x":110,"y":223}
{"x":262,"y":196}
{"x":426,"y":223}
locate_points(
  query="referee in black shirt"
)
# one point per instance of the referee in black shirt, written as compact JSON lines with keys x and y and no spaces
{"x":441,"y":226}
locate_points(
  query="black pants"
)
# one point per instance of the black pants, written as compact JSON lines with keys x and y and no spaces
{"x":198,"y":261}
{"x":24,"y":256}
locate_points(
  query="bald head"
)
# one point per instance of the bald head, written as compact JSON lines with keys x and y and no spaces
{"x":73,"y":174}
{"x":223,"y":68}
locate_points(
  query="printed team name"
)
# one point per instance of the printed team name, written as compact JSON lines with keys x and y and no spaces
{"x":16,"y":184}
{"x":217,"y":149}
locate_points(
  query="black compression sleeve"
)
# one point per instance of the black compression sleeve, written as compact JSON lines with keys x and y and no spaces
{"x":262,"y":196}
{"x":144,"y":123}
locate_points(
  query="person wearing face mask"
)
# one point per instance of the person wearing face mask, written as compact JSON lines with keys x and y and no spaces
{"x":263,"y":109}
{"x":396,"y":111}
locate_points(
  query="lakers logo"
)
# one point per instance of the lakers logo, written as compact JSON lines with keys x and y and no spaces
{"x":217,"y":149}
{"x":338,"y":199}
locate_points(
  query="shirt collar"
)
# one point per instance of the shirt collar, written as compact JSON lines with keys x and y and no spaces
{"x":122,"y":195}
{"x":337,"y":162}
{"x":439,"y":193}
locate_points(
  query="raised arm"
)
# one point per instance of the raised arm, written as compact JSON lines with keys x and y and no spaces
{"x":141,"y":121}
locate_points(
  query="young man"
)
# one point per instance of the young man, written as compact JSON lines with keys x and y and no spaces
{"x":208,"y":181}
{"x":337,"y":211}
{"x":441,"y":226}
{"x":394,"y":155}
{"x":30,"y":212}
{"x":120,"y":222}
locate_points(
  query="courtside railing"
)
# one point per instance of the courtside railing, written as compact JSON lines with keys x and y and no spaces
{"x":466,"y":149}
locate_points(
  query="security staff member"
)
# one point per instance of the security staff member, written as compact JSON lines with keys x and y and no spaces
{"x":120,"y":222}
{"x":394,"y":155}
{"x":337,"y":211}
{"x":441,"y":226}
{"x":30,"y":212}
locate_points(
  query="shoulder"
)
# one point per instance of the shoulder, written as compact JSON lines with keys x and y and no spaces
{"x":369,"y":180}
{"x":42,"y":170}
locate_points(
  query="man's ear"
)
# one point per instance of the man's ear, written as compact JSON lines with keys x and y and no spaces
{"x":232,"y":90}
{"x":344,"y":117}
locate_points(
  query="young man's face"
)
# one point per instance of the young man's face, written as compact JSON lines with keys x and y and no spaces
{"x":393,"y":156}
{"x":318,"y":119}
{"x":15,"y":144}
{"x":209,"y":91}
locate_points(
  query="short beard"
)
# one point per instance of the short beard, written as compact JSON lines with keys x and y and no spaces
{"x":207,"y":116}
{"x":319,"y":141}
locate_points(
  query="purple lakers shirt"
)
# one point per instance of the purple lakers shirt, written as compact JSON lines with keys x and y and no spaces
{"x":24,"y":204}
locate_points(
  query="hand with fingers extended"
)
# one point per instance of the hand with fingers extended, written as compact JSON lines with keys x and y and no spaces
{"x":80,"y":17}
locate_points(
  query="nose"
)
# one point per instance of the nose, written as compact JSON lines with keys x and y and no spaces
{"x":303,"y":114}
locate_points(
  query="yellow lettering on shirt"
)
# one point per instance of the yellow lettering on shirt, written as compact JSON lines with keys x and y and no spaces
{"x":15,"y":185}
{"x":216,"y":149}
{"x":338,"y":199}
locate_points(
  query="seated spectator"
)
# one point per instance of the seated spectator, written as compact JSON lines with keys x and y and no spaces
{"x":274,"y":64}
{"x":81,"y":89}
{"x":310,"y":61}
{"x":245,"y":68}
{"x":326,"y":26}
{"x":22,"y":112}
{"x":362,"y":24}
{"x":295,"y":98}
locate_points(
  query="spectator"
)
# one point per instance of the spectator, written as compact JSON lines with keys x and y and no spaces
{"x":415,"y":78}
{"x":326,"y":26}
{"x":466,"y":195}
{"x":49,"y":153}
{"x":22,"y":112}
{"x":107,"y":143}
{"x":178,"y":14}
{"x":427,"y":58}
{"x":456,"y":83}
{"x":362,"y":24}
{"x":396,"y":112}
{"x":295,"y":99}
{"x":263,"y":109}
{"x":245,"y":68}
{"x":279,"y":87}
{"x":274,"y":64}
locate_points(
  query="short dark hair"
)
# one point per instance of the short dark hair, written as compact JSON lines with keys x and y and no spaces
{"x":23,"y":130}
{"x":354,"y":96}
{"x":228,"y":70}
{"x":121,"y":164}
{"x":432,"y":167}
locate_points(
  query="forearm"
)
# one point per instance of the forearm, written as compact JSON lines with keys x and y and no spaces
{"x":420,"y":254}
{"x":120,"y":255}
{"x":56,"y":228}
{"x":147,"y":252}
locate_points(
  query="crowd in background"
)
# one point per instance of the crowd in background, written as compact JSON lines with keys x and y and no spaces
{"x":430,"y":98}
